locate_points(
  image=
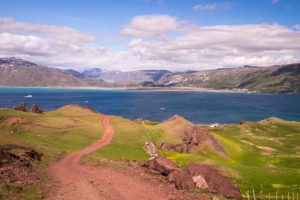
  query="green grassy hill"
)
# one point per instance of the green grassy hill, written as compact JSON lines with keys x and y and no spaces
{"x":265,"y":153}
{"x":54,"y":133}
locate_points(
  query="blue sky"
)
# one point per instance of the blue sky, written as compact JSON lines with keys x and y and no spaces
{"x":181,"y":21}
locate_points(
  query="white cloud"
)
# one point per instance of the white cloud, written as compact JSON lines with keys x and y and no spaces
{"x":205,"y":7}
{"x":297,"y":27}
{"x":219,"y":46}
{"x":150,"y":25}
{"x":154,"y":46}
{"x":8,"y":25}
{"x":135,"y":42}
{"x":213,"y":6}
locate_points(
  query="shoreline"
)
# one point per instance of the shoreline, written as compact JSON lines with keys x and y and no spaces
{"x":162,"y":89}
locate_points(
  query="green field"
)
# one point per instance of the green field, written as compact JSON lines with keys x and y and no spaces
{"x":261,"y":154}
{"x":127,"y":142}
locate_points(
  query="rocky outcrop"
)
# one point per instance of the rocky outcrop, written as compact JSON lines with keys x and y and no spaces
{"x":204,"y":177}
{"x":21,"y":107}
{"x":193,"y":137}
{"x":176,"y":175}
{"x":181,"y":148}
{"x":212,"y":180}
{"x":36,"y":109}
{"x":16,"y":164}
{"x":150,"y":149}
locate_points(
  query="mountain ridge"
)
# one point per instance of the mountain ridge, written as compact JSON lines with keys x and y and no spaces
{"x":273,"y":79}
{"x":19,"y":72}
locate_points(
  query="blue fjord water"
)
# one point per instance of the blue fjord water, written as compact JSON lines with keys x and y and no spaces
{"x":198,"y":107}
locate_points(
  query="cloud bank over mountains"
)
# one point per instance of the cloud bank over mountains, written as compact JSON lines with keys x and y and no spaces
{"x":154,"y":42}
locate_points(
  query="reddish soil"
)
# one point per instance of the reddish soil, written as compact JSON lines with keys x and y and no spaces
{"x":16,"y":164}
{"x":70,"y":180}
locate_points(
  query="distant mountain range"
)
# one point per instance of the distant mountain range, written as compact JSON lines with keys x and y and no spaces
{"x":19,"y":72}
{"x":277,"y":79}
{"x":140,"y":76}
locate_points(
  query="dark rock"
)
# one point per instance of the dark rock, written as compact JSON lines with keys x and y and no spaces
{"x":243,"y":122}
{"x":161,"y":164}
{"x":36,"y":109}
{"x":21,"y":107}
{"x":216,"y":181}
{"x":20,"y":152}
{"x":181,"y":179}
{"x":16,"y":162}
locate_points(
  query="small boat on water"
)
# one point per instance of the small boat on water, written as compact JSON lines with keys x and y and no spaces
{"x":162,"y":108}
{"x":28,"y":96}
{"x":86,"y":101}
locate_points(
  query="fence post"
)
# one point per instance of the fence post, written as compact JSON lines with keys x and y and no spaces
{"x":261,"y":191}
{"x":247,"y":193}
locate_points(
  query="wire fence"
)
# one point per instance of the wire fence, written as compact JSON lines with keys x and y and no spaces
{"x":253,"y":195}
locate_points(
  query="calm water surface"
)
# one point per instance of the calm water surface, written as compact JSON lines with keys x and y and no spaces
{"x":198,"y":107}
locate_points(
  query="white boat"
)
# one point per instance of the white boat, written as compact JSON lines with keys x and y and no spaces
{"x":28,"y":96}
{"x":162,"y":108}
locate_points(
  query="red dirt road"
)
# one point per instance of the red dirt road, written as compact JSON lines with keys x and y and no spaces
{"x":72,"y":181}
{"x":68,"y":173}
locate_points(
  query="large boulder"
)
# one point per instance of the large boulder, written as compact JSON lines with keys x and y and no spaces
{"x":214,"y":181}
{"x":181,"y":179}
{"x":21,"y":107}
{"x":176,"y":175}
{"x":36,"y":109}
{"x":162,"y":165}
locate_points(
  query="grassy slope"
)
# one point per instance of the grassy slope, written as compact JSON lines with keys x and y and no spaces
{"x":280,"y":79}
{"x":260,"y":153}
{"x":54,"y":133}
{"x":264,"y":153}
{"x":127,"y":142}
